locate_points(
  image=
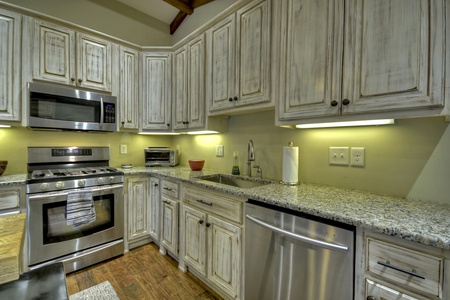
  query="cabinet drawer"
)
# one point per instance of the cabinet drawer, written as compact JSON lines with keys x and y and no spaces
{"x":381,"y":292}
{"x":225,"y":207}
{"x":169,"y":188}
{"x":9,"y":199}
{"x":405,"y":267}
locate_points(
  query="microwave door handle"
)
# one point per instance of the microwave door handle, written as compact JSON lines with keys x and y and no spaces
{"x":102,"y":113}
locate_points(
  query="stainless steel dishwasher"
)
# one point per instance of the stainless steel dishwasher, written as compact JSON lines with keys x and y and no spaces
{"x":292,"y":256}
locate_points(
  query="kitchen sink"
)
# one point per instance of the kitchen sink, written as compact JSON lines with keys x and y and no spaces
{"x":236,"y":181}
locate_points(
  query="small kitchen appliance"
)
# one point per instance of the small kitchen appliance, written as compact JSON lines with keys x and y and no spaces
{"x":56,"y":175}
{"x":161,"y":156}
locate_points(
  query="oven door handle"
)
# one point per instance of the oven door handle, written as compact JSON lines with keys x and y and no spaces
{"x":66,"y":192}
{"x":302,"y":238}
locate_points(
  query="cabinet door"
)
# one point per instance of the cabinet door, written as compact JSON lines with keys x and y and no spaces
{"x":169,"y":224}
{"x":156,"y":91}
{"x":194,"y":239}
{"x":180,"y":93}
{"x":129,"y":88}
{"x":381,"y":292}
{"x":196,"y":87}
{"x":393,"y":55}
{"x":221,"y":67}
{"x":253,"y":53}
{"x":94,"y":62}
{"x":138,"y":207}
{"x":54,"y":55}
{"x":310,"y":57}
{"x":224,"y":255}
{"x":10,"y":53}
{"x":155,"y":210}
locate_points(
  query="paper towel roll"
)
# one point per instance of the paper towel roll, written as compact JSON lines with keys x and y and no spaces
{"x":290,"y":165}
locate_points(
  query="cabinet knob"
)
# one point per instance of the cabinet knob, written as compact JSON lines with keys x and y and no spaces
{"x":334,"y":103}
{"x":235,"y":98}
{"x":200,"y":221}
{"x":168,"y":124}
{"x":208,"y":224}
{"x":345,"y":101}
{"x":72,"y":79}
{"x":156,"y":184}
{"x":80,"y":80}
{"x":123,"y":123}
{"x":230,"y":99}
{"x":371,"y":298}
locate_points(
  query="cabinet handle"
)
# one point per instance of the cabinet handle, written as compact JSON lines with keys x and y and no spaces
{"x":80,"y":80}
{"x":204,"y":202}
{"x":345,"y":101}
{"x":200,"y":221}
{"x":235,"y":98}
{"x":72,"y":79}
{"x":168,"y":124}
{"x":156,"y":184}
{"x":208,"y":224}
{"x":167,"y":189}
{"x":334,"y":103}
{"x":166,"y":202}
{"x":230,"y":99}
{"x":387,"y":264}
{"x":371,"y":298}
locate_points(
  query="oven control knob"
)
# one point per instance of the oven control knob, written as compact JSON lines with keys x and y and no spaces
{"x":101,"y":180}
{"x":81,"y":183}
{"x":111,"y":179}
{"x":59,"y":185}
{"x":45,"y":187}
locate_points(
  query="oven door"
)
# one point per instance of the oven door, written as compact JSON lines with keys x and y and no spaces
{"x":50,"y":237}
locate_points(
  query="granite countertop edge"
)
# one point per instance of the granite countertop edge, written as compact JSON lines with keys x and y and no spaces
{"x":415,"y":220}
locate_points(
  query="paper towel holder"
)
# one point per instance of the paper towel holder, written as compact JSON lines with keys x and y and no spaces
{"x":290,"y":144}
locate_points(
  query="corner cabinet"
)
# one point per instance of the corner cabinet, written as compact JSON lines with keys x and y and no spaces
{"x":141,"y":197}
{"x":352,"y":57}
{"x":239,"y":59}
{"x":188,"y":85}
{"x":156,"y":91}
{"x":211,"y":241}
{"x":64,"y":56}
{"x":10,"y":62}
{"x":129,"y":88}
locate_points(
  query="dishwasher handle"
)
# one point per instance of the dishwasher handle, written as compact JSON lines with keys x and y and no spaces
{"x":299,"y":237}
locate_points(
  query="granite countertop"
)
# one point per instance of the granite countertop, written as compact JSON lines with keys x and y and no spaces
{"x":423,"y":222}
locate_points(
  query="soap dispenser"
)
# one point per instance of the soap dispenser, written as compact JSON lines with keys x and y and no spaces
{"x":235,"y":170}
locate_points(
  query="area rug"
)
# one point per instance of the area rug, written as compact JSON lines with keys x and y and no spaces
{"x":101,"y":291}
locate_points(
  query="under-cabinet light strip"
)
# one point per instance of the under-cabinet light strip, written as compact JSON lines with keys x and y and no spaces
{"x":348,"y":124}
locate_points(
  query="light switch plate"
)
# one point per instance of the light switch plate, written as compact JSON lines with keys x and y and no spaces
{"x":339,"y":156}
{"x":219,"y":150}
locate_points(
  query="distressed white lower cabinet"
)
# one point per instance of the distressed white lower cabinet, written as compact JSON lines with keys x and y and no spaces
{"x":389,"y":268}
{"x":155,"y":209}
{"x":138,"y":196}
{"x":211,"y":242}
{"x":341,"y":58}
{"x":65,"y":56}
{"x":169,"y":217}
{"x":10,"y":59}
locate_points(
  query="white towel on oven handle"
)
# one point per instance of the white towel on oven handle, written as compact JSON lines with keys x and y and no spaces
{"x":80,"y":208}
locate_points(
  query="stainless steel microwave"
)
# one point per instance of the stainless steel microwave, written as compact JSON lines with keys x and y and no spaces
{"x":65,"y":108}
{"x":161,"y":156}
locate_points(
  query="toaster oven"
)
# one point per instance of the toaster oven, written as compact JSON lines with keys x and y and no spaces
{"x":161,"y":156}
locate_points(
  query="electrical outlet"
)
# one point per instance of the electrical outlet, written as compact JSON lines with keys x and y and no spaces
{"x":339,"y":156}
{"x":123,"y":149}
{"x":357,"y":156}
{"x":219,"y":150}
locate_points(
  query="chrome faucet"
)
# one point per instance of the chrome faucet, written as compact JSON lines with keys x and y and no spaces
{"x":251,"y":157}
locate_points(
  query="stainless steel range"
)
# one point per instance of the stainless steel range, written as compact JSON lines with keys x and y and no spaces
{"x":74,"y":207}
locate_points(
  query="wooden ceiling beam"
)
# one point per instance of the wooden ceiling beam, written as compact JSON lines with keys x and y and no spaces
{"x":182,"y":6}
{"x":177,"y":21}
{"x":198,"y":3}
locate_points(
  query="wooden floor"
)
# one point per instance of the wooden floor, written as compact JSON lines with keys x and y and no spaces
{"x":143,"y":273}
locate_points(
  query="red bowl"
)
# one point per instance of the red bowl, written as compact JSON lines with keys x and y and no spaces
{"x":196,"y":164}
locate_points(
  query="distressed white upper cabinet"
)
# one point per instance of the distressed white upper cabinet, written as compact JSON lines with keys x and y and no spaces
{"x":238,"y":65}
{"x":156,"y":93}
{"x":352,"y":57}
{"x":188,"y":85}
{"x":10,"y":53}
{"x":65,"y":56}
{"x":129,"y":88}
